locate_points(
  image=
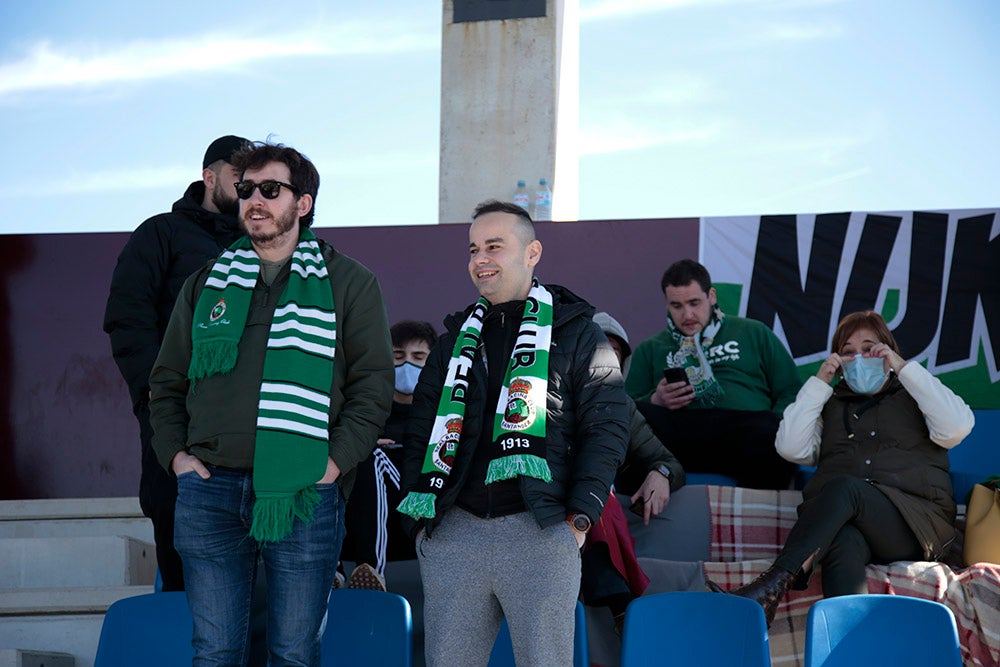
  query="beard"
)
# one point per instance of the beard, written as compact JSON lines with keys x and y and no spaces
{"x":227,"y":205}
{"x":283,"y":224}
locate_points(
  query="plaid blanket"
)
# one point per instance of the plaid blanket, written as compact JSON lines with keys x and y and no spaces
{"x":748,"y":528}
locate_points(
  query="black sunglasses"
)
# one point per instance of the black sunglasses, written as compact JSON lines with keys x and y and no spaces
{"x":268,"y":189}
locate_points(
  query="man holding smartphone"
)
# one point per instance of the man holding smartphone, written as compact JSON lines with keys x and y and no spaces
{"x":713,"y":386}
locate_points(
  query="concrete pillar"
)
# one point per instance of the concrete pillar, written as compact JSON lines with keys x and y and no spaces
{"x":509,"y":108}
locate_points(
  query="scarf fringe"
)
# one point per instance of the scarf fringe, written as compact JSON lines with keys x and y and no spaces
{"x":213,"y":358}
{"x":274,"y":518}
{"x":712,"y":393}
{"x":418,"y":505}
{"x":510,"y":467}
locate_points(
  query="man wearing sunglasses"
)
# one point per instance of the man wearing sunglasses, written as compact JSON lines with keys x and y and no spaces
{"x":274,"y":379}
{"x":161,"y":253}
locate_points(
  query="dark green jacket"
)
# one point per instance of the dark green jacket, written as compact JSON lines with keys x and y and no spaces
{"x":216,"y":420}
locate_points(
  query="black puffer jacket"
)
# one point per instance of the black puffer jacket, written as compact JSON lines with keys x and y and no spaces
{"x":645,"y":454}
{"x":157,"y":259}
{"x":587,"y":418}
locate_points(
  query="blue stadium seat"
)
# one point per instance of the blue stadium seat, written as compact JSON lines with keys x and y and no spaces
{"x":366,"y":627}
{"x":978,"y":456}
{"x":709,"y":479}
{"x":154,"y":630}
{"x":695,"y":629}
{"x":881,"y":630}
{"x":503,"y":650}
{"x":151,"y":630}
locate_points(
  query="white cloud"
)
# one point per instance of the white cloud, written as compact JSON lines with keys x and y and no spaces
{"x":797,"y":32}
{"x":376,"y":165}
{"x":176,"y":177}
{"x":622,"y":135}
{"x":49,"y":66}
{"x":110,"y":180}
{"x":818,"y":184}
{"x":596,"y":10}
{"x":606,"y":9}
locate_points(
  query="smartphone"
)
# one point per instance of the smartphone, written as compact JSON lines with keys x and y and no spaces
{"x":638,"y":507}
{"x":675,"y":375}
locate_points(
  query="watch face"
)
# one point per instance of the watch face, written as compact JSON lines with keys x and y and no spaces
{"x":581,"y":522}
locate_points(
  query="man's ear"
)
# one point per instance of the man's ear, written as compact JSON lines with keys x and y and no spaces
{"x":712,"y":300}
{"x":534,"y":252}
{"x":208,"y":177}
{"x":304,"y":205}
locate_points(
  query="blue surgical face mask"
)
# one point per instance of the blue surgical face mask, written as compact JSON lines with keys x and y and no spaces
{"x":865,"y":375}
{"x":406,"y":377}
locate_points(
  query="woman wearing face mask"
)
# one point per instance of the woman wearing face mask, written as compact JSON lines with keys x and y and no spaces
{"x":879,"y":438}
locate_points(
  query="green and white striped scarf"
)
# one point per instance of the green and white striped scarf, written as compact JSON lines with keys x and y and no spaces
{"x":691,"y":357}
{"x":519,"y":421}
{"x":293,"y":413}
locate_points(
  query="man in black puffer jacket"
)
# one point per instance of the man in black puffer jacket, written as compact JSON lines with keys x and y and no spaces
{"x":159,"y":256}
{"x":510,"y":546}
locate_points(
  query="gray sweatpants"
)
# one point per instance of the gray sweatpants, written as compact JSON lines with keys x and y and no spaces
{"x":477,"y":571}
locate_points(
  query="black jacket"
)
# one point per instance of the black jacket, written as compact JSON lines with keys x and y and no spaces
{"x":587,"y":418}
{"x":645,"y":454}
{"x":157,"y":259}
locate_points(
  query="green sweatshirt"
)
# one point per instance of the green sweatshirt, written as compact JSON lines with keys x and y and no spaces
{"x":216,"y":419}
{"x":754,"y":368}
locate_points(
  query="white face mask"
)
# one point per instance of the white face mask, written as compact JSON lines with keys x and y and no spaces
{"x":865,"y":375}
{"x":407,"y":375}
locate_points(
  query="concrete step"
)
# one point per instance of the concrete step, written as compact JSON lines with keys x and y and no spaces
{"x":14,"y":657}
{"x":69,"y":508}
{"x":66,"y":620}
{"x":54,"y":562}
{"x":75,"y":517}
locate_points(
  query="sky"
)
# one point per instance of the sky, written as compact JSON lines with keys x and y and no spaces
{"x":688,"y":108}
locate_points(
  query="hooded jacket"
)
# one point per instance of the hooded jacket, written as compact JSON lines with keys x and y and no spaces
{"x":157,"y":259}
{"x":586,"y":411}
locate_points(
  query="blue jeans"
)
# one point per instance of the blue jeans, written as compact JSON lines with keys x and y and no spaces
{"x":212,"y":534}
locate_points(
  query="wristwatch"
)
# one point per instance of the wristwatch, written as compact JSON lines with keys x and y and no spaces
{"x":664,"y":470}
{"x":580,"y":522}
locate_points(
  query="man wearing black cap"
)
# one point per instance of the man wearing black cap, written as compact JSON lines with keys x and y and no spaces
{"x":161,"y":253}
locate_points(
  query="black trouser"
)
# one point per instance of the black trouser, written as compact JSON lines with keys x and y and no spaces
{"x":157,"y":497}
{"x":365,"y":530}
{"x":852,"y":523}
{"x":737,"y":443}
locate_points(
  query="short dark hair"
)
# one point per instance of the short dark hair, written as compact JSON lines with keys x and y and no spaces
{"x":865,"y":319}
{"x":684,"y":272}
{"x":497,"y":206}
{"x":303,"y":174}
{"x":407,"y":331}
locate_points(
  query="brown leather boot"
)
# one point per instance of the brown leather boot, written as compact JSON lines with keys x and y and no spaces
{"x":767,"y":590}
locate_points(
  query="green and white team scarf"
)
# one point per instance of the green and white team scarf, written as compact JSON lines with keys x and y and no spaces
{"x":293,"y":413}
{"x":519,"y":422}
{"x":690,"y":356}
